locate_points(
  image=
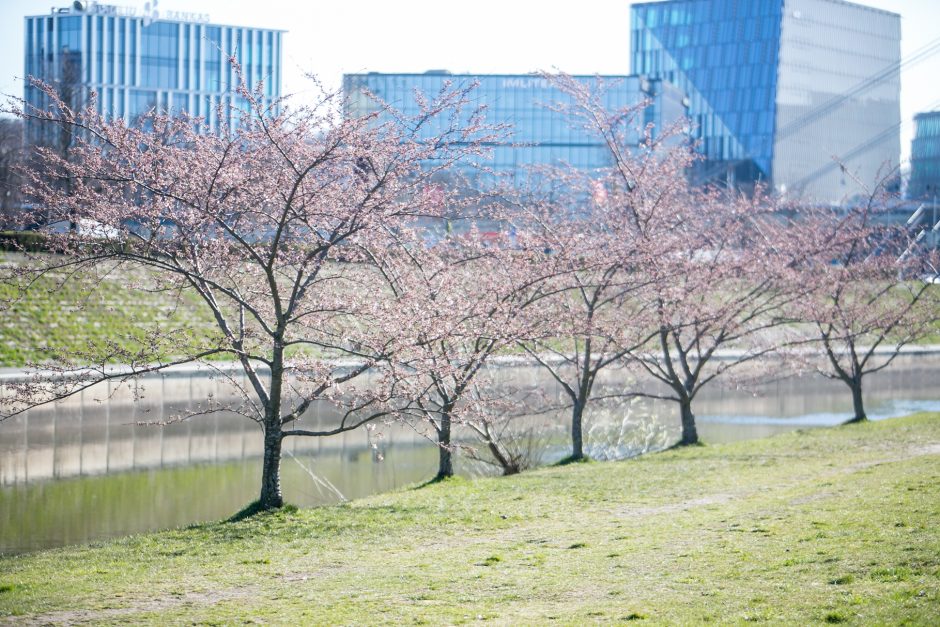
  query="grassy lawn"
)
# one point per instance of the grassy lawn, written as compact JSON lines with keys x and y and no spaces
{"x":824,"y":526}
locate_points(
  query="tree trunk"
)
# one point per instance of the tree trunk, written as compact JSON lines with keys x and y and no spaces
{"x":577,"y":432}
{"x":271,"y":472}
{"x":505,"y":462}
{"x":689,"y":432}
{"x":857,"y":403}
{"x":445,"y":465}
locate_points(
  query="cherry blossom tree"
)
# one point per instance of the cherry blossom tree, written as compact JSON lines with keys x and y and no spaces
{"x":717,"y":300}
{"x":274,"y":225}
{"x":684,"y":284}
{"x":464,"y":299}
{"x":515,"y":427}
{"x":604,"y":229}
{"x":874,"y":291}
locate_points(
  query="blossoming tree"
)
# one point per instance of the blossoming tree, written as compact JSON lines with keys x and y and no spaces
{"x":273,"y":224}
{"x":874,"y":291}
{"x":605,"y":229}
{"x":718,"y":299}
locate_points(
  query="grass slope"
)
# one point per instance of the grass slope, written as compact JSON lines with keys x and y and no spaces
{"x":825,"y":526}
{"x":81,"y":314}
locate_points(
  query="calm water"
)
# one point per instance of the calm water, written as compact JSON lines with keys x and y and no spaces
{"x":81,"y":470}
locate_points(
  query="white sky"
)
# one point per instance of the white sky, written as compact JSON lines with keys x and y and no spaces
{"x":330,"y":37}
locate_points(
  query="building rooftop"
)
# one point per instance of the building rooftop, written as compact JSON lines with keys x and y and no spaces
{"x":844,"y":2}
{"x":80,"y":7}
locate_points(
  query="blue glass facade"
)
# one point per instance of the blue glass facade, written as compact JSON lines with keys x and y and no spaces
{"x":724,"y":54}
{"x":782,"y":92}
{"x":925,"y":158}
{"x":134,"y":63}
{"x":540,"y":136}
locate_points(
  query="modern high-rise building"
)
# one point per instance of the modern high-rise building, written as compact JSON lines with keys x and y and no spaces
{"x":540,"y":136}
{"x":802,"y":96}
{"x":134,"y":61}
{"x":925,"y":158}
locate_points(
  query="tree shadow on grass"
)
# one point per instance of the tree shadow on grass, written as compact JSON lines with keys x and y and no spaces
{"x":254,"y":508}
{"x":680,"y":446}
{"x":454,"y":480}
{"x":571,"y":459}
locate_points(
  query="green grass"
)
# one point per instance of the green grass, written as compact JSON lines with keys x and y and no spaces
{"x":79,"y":317}
{"x":92,"y":322}
{"x":825,"y":526}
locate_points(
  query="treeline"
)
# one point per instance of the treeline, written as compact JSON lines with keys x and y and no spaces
{"x":305,"y":236}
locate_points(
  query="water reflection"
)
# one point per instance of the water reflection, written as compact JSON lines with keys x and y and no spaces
{"x":82,"y":469}
{"x":69,"y":511}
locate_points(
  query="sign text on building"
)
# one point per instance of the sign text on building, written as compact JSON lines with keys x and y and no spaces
{"x":150,"y":12}
{"x":526,"y":83}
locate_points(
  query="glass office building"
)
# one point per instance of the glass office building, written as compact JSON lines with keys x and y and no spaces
{"x":540,"y":136}
{"x":925,"y":158}
{"x":134,"y":62}
{"x":800,"y":95}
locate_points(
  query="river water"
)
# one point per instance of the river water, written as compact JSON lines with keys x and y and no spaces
{"x":83,"y":470}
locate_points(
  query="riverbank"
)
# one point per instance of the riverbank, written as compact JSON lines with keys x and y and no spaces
{"x":122,"y":307}
{"x":830,"y":525}
{"x":86,"y":311}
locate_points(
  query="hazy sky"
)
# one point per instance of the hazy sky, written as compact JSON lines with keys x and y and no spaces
{"x":329,"y":37}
